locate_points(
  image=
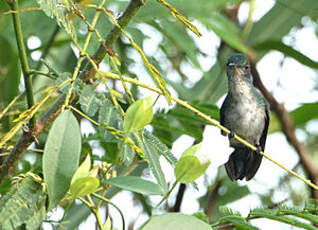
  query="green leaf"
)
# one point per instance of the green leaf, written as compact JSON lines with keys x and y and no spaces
{"x":226,"y":30}
{"x":108,"y":115}
{"x":58,"y":9}
{"x":152,"y":157}
{"x":173,"y":221}
{"x":83,"y":170}
{"x":89,"y":101}
{"x":274,"y":215}
{"x":135,"y":184}
{"x":189,"y":167}
{"x":61,"y":156}
{"x":84,"y":186}
{"x":138,"y":115}
{"x":127,"y":154}
{"x":24,"y":206}
{"x":160,"y":147}
{"x":288,"y":51}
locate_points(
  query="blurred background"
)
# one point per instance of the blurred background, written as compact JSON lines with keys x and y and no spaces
{"x":280,"y":39}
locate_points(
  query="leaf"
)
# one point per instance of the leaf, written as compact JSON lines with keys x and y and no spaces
{"x":288,"y":51}
{"x":226,"y":30}
{"x":185,"y":21}
{"x":127,"y":154}
{"x":138,"y":115}
{"x":300,"y":116}
{"x":152,"y":157}
{"x":274,"y":215}
{"x":173,"y":221}
{"x":135,"y":184}
{"x":58,"y":9}
{"x":61,"y":156}
{"x":89,"y":101}
{"x":109,"y":116}
{"x":84,"y":186}
{"x":160,"y":147}
{"x":83,"y":170}
{"x":24,"y":206}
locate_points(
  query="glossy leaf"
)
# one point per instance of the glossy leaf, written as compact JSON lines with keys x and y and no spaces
{"x":173,"y":221}
{"x":61,"y":156}
{"x":138,"y":115}
{"x":135,"y":184}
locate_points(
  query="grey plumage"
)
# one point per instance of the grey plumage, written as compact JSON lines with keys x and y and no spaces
{"x":245,"y":112}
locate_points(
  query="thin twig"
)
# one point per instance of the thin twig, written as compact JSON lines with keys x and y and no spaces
{"x":23,"y":58}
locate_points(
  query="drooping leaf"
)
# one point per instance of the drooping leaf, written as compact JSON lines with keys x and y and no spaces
{"x":172,"y":221}
{"x":135,"y":184}
{"x":127,"y":154}
{"x":61,"y":156}
{"x":24,"y":206}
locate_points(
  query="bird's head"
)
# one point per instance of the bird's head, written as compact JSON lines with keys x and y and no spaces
{"x":238,"y":66}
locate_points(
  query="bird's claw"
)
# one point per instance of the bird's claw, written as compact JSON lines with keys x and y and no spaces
{"x":231,"y":134}
{"x":259,"y":149}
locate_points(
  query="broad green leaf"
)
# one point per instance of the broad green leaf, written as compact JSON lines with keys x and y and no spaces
{"x":89,"y":101}
{"x":138,"y":115}
{"x":24,"y":206}
{"x":190,"y":167}
{"x":135,"y":184}
{"x":84,"y":186}
{"x":173,"y":221}
{"x":61,"y":156}
{"x":83,"y":170}
{"x":288,"y":51}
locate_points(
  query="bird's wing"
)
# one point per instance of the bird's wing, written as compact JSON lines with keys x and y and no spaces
{"x":222,"y":113}
{"x":264,"y":134}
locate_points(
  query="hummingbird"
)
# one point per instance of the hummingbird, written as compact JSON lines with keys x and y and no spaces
{"x":244,"y":112}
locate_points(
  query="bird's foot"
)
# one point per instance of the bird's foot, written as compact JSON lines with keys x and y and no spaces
{"x":231,"y":134}
{"x":259,"y":149}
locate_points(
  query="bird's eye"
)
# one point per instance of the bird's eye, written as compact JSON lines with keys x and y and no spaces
{"x":246,"y":67}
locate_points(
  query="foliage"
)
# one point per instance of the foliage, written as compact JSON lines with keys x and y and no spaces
{"x":98,"y":134}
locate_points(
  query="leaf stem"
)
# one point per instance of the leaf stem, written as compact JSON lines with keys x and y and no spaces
{"x":111,"y":203}
{"x":167,"y":195}
{"x":23,"y":57}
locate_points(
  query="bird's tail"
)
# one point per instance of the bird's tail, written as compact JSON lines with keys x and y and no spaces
{"x":243,"y":162}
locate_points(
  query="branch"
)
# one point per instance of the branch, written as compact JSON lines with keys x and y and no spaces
{"x":288,"y":128}
{"x":28,"y":137}
{"x":23,"y":57}
{"x":210,"y":120}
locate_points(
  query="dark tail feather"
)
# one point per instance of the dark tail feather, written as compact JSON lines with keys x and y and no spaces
{"x":243,"y":162}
